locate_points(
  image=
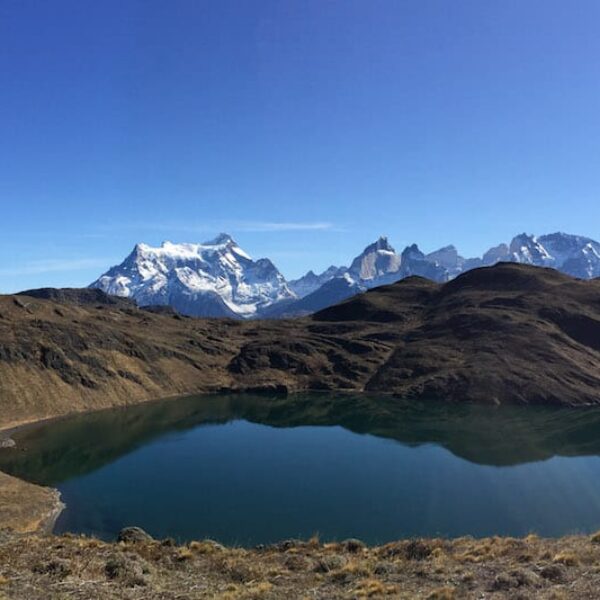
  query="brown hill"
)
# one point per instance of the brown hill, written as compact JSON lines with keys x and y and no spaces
{"x":503,"y":334}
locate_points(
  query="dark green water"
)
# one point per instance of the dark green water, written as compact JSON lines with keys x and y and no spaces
{"x":255,"y":469}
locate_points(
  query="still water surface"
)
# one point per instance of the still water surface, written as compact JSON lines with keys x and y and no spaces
{"x":255,"y":469}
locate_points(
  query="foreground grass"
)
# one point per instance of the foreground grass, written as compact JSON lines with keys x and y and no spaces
{"x":42,"y":567}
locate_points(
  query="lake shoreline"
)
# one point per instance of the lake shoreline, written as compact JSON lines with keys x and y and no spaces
{"x":28,"y":508}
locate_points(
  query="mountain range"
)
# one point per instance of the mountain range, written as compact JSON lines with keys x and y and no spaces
{"x":219,"y":279}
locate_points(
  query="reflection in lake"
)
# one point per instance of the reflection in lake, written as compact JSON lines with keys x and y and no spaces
{"x":252,"y":469}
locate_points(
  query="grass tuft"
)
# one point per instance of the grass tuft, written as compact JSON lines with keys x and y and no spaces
{"x":443,"y":593}
{"x":569,"y":559}
{"x":184,"y":554}
{"x":369,"y":588}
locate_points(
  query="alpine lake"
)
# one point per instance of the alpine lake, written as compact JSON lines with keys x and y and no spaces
{"x":256,"y":469}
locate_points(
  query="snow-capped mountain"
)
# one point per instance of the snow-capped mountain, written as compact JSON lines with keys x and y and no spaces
{"x":216,"y":278}
{"x":527,"y":249}
{"x":573,"y":254}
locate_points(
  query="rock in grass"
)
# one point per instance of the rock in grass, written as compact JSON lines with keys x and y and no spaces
{"x":134,"y":535}
{"x":168,"y":542}
{"x":286,"y":545}
{"x":353,"y":545}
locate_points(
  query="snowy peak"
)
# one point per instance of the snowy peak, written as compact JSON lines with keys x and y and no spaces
{"x":216,"y":277}
{"x":527,"y":249}
{"x":171,"y":253}
{"x":564,"y":247}
{"x":575,"y":255}
{"x":223,"y":239}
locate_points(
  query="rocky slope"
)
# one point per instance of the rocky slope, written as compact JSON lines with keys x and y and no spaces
{"x":504,"y":334}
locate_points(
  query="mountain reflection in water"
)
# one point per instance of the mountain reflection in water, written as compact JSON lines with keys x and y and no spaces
{"x":488,"y":435}
{"x":252,"y":468}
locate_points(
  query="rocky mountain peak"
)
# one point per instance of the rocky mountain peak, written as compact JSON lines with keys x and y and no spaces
{"x":496,"y":254}
{"x":383,"y":244}
{"x":375,"y":260}
{"x":380,"y":245}
{"x":412,"y":252}
{"x":222,"y":239}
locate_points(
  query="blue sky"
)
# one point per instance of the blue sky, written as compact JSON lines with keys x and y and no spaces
{"x":304,"y":128}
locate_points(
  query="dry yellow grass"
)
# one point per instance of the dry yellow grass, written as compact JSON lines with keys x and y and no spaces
{"x":566,"y":558}
{"x":52,"y":568}
{"x":443,"y":593}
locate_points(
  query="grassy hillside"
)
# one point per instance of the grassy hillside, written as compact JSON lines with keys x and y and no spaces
{"x":504,"y":334}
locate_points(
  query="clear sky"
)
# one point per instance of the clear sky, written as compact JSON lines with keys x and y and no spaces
{"x":304,"y":128}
